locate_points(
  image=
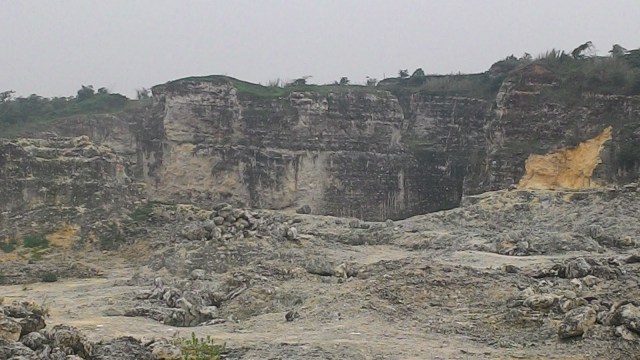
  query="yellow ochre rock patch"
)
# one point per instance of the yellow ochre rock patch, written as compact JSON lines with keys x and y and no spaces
{"x":65,"y":236}
{"x":566,"y":168}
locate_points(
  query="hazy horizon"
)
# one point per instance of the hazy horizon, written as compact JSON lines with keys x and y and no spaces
{"x":52,"y":48}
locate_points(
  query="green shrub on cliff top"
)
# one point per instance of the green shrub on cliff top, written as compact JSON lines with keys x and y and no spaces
{"x":17,"y":114}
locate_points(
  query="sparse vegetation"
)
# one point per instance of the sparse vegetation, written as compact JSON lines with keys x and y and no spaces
{"x":21,"y":112}
{"x":195,"y":348}
{"x":112,"y":238}
{"x":8,"y":246}
{"x":142,"y":213}
{"x":568,"y":77}
{"x":628,"y":156}
{"x":482,"y":86}
{"x":49,"y":276}
{"x":35,"y":255}
{"x":35,"y":241}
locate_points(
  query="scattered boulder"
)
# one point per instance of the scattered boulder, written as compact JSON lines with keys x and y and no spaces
{"x":625,"y":314}
{"x":541,"y":301}
{"x":595,"y":231}
{"x":633,"y":259}
{"x":571,"y":304}
{"x":70,"y":340}
{"x":194,"y":231}
{"x":291,"y":315}
{"x":165,"y":351}
{"x":11,"y":349}
{"x":198,"y":274}
{"x":122,"y":348}
{"x":31,"y":323}
{"x":575,"y":268}
{"x":292,"y":233}
{"x":305,"y":209}
{"x":511,"y":269}
{"x":576,"y":322}
{"x":590,"y":280}
{"x":35,"y":340}
{"x":319,"y":266}
{"x":624,"y":333}
{"x":10,"y":329}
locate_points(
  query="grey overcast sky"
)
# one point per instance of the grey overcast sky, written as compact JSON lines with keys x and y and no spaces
{"x":51,"y":47}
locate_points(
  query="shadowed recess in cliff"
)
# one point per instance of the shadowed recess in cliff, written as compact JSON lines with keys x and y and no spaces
{"x":567,"y":168}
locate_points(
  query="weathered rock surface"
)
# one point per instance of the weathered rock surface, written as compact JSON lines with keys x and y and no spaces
{"x":576,"y":322}
{"x":71,"y":172}
{"x":323,"y":151}
{"x":9,"y":328}
{"x":64,"y":342}
{"x":340,"y":153}
{"x":371,"y":153}
{"x":65,"y":190}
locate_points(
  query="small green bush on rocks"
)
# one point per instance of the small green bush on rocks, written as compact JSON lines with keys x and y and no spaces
{"x":195,"y":348}
{"x":35,"y":241}
{"x":49,"y":276}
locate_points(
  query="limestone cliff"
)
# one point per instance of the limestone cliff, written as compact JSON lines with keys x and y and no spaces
{"x":340,"y":152}
{"x":49,"y":186}
{"x":389,"y":151}
{"x":535,"y":117}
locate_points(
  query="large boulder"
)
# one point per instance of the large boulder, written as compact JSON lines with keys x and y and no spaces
{"x":576,"y":322}
{"x":70,"y":340}
{"x":10,"y":329}
{"x":627,"y":315}
{"x":11,"y":349}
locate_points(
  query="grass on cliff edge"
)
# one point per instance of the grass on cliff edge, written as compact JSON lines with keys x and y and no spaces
{"x":260,"y":91}
{"x":22,"y":116}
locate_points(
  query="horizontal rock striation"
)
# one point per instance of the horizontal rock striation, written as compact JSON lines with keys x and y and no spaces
{"x":375,"y":153}
{"x":341,"y":153}
{"x":60,"y":172}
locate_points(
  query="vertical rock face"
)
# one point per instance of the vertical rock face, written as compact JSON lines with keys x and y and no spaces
{"x":533,"y":116}
{"x":52,"y":186}
{"x":374,"y":155}
{"x":60,"y":172}
{"x":340,"y":152}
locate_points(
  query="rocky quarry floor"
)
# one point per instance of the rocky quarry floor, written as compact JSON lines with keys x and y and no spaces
{"x":508,"y":275}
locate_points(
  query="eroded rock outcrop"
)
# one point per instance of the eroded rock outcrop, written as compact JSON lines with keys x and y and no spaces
{"x":339,"y":153}
{"x":567,"y":168}
{"x":69,"y":172}
{"x":62,"y":188}
{"x":375,"y":153}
